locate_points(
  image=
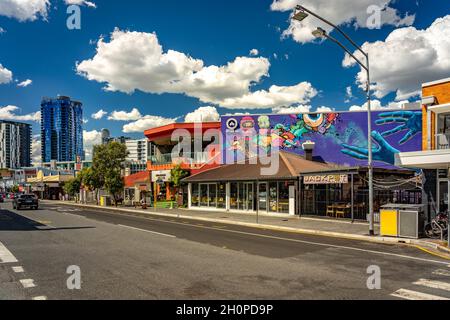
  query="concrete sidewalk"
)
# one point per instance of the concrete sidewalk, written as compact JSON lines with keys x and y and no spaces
{"x":314,"y":226}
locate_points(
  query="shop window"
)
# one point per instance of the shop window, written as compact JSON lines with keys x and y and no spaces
{"x":212,"y":196}
{"x":273,"y":196}
{"x":222,"y":196}
{"x":195,"y":195}
{"x":204,"y":201}
{"x":234,"y":196}
{"x":283,"y":195}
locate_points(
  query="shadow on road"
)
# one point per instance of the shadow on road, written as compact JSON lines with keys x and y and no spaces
{"x":10,"y":221}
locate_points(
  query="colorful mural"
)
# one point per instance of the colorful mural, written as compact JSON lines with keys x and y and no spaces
{"x":340,"y":138}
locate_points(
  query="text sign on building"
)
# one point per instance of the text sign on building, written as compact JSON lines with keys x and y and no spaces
{"x":326,"y":179}
{"x":161,"y":176}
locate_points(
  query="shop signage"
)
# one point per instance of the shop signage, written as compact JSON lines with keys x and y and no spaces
{"x":326,"y":179}
{"x":161,"y":176}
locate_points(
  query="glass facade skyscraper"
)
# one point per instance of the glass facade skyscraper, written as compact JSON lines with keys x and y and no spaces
{"x":62,"y":129}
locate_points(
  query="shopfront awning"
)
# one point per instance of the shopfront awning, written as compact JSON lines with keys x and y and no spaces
{"x":289,"y":168}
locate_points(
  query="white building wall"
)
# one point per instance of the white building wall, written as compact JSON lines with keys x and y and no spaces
{"x":138,"y":150}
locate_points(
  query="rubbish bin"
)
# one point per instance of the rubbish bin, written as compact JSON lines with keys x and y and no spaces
{"x":105,"y":201}
{"x":402,"y":220}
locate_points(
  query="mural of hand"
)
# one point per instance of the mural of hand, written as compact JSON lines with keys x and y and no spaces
{"x":383,"y":152}
{"x":408,"y":120}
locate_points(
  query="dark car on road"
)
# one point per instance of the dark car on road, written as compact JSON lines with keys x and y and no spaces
{"x":26,"y":201}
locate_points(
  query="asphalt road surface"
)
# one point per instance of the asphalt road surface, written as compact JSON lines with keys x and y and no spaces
{"x":131,"y":257}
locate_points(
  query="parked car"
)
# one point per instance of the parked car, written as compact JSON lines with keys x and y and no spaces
{"x":26,"y":201}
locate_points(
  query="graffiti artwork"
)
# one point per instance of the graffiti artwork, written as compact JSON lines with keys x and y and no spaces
{"x":340,"y":138}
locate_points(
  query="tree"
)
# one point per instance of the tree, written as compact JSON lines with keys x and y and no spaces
{"x":92,"y":180}
{"x":177,"y":175}
{"x":108,"y":164}
{"x":114,"y":183}
{"x":73,"y":186}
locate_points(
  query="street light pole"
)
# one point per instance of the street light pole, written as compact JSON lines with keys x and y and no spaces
{"x":300,"y":16}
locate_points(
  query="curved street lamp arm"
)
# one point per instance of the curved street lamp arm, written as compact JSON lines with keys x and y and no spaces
{"x":299,"y":7}
{"x":348,"y":51}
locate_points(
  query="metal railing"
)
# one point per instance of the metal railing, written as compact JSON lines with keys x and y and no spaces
{"x":443,"y":141}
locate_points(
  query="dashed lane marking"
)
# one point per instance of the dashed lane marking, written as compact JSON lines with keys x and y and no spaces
{"x":18,"y":269}
{"x":433,"y":284}
{"x":6,"y":256}
{"x":27,"y":283}
{"x":148,"y":231}
{"x":414,"y":295}
{"x":294,"y":240}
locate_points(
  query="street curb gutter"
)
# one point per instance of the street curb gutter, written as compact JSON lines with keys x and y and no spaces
{"x":425,"y":246}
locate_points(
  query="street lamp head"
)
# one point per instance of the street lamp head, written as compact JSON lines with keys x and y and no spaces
{"x":319,"y":33}
{"x":300,"y":16}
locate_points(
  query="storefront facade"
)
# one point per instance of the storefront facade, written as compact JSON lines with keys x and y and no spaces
{"x":270,"y":197}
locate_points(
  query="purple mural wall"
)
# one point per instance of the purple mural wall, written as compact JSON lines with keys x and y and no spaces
{"x":340,"y":138}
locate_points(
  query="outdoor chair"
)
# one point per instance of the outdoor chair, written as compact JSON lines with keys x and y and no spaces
{"x":330,"y":211}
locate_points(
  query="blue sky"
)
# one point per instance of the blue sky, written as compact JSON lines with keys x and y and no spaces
{"x":215,"y":32}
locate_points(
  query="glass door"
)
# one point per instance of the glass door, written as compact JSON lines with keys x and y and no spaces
{"x":262,"y":197}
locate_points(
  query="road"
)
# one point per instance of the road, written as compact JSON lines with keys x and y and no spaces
{"x":131,"y":257}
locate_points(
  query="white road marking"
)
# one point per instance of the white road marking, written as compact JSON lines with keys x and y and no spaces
{"x":284,"y":239}
{"x":152,"y":232}
{"x":27,"y":283}
{"x":18,"y":269}
{"x":45,"y":228}
{"x":6,"y":256}
{"x":310,"y":243}
{"x":442,"y":272}
{"x":414,"y":295}
{"x":41,"y":298}
{"x":433,"y":284}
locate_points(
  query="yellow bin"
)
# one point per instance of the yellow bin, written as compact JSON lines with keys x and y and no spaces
{"x":389,"y":223}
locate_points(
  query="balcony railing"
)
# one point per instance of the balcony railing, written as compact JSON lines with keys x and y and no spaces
{"x":443,"y":141}
{"x":189,"y":159}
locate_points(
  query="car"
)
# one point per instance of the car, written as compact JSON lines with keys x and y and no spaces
{"x":26,"y":201}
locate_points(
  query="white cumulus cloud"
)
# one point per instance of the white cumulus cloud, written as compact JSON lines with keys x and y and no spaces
{"x":5,"y":75}
{"x":203,"y":114}
{"x":147,"y":122}
{"x":25,"y":83}
{"x":36,"y":148}
{"x":24,"y":10}
{"x":133,"y":61}
{"x":340,"y":12}
{"x":91,"y":139}
{"x":378,"y":105}
{"x":254,"y":52}
{"x":99,"y":115}
{"x":275,"y":97}
{"x":134,"y":115}
{"x":81,"y":2}
{"x":9,"y":113}
{"x":407,"y":58}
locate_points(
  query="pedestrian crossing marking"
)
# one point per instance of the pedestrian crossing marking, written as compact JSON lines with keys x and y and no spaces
{"x":442,"y":272}
{"x":433,"y":284}
{"x":414,"y":295}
